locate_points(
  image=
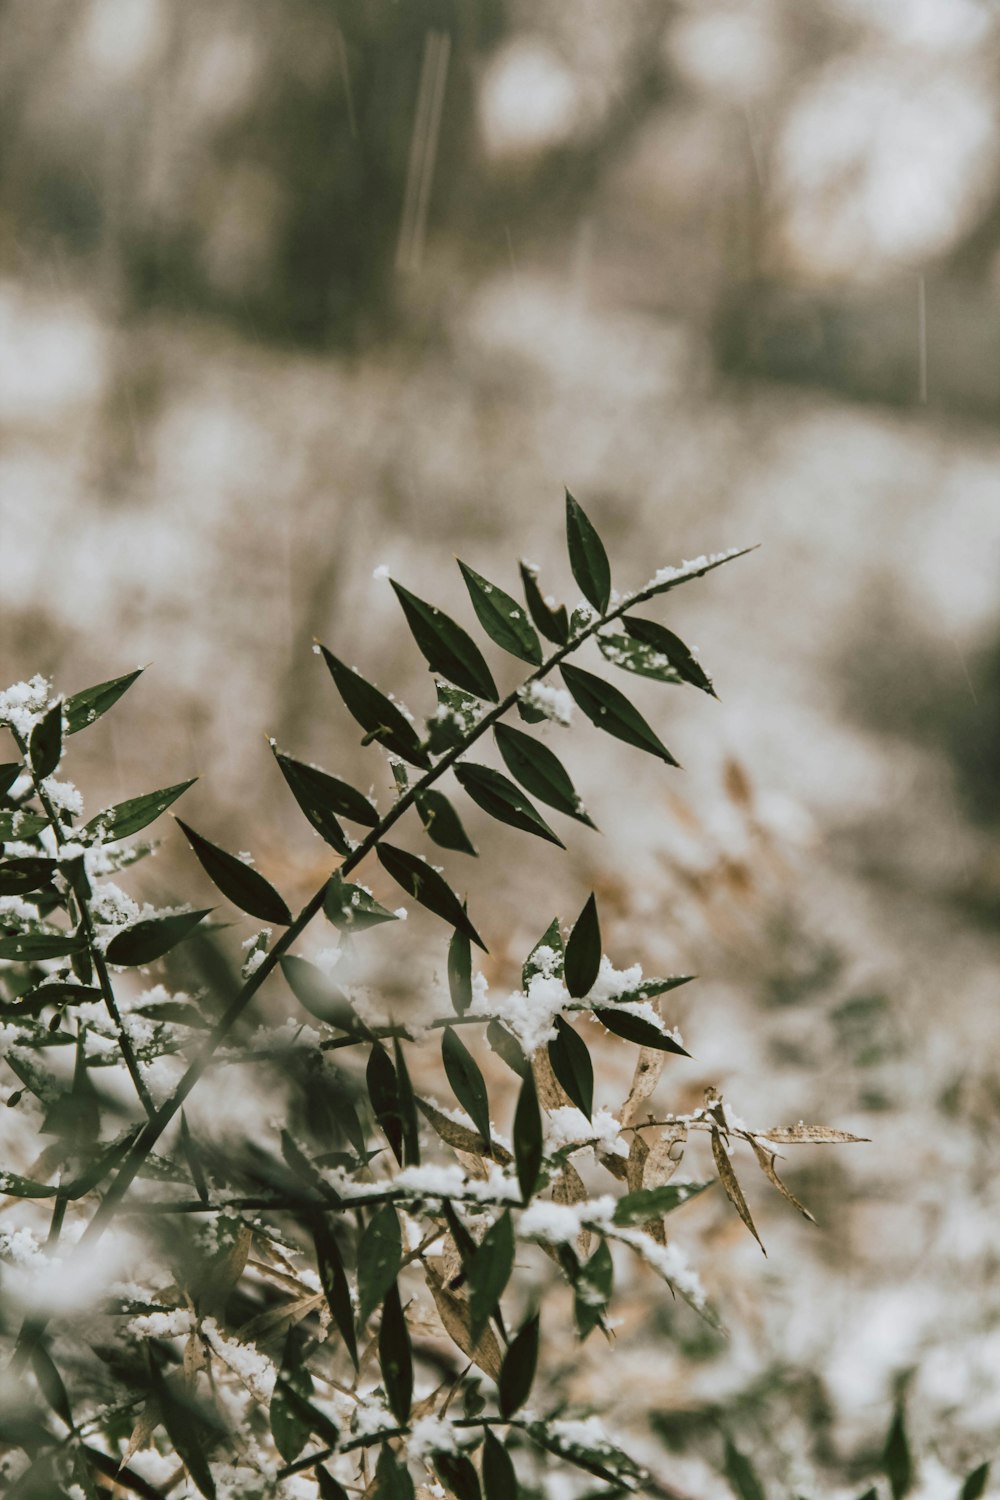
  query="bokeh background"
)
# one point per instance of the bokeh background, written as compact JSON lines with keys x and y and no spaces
{"x":290,"y":289}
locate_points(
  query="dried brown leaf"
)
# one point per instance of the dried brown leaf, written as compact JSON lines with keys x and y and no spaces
{"x":461,"y":1137}
{"x":569,"y":1188}
{"x":664,"y":1156}
{"x":453,"y":1311}
{"x":551,"y":1094}
{"x":809,"y":1135}
{"x":648,"y":1068}
{"x":765,"y":1160}
{"x":734,"y":1192}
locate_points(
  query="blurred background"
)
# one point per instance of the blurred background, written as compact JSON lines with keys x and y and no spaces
{"x":289,"y":291}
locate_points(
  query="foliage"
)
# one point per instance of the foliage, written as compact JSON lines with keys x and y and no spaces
{"x":292,"y":1294}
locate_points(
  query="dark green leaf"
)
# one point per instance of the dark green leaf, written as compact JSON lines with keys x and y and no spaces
{"x":320,"y":996}
{"x":442,"y":822}
{"x":45,"y":745}
{"x":975,"y":1483}
{"x":650,"y":988}
{"x":666,"y":644}
{"x":425,"y":885}
{"x":518,"y":1369}
{"x":572,"y":1066}
{"x":87,"y":706}
{"x":499,"y":1478}
{"x":407,"y":1107}
{"x":352,"y":908}
{"x":446,"y":647}
{"x":13,"y":1185}
{"x":652,"y":1203}
{"x":466,"y":1080}
{"x":498,"y":796}
{"x":126,"y":818}
{"x":611,"y":711}
{"x":313,"y":797}
{"x":316,"y":789}
{"x":507,"y":1048}
{"x":587,"y":556}
{"x":583,"y":951}
{"x":395,"y":1356}
{"x":185,"y":1425}
{"x":527,"y":1137}
{"x":488,"y":1272}
{"x":547,"y":957}
{"x":392,"y":1478}
{"x":379,"y":1255}
{"x":383,"y":1092}
{"x":634,"y":656}
{"x":503,"y":619}
{"x":29,"y":946}
{"x":592,"y":1290}
{"x":637,"y":1029}
{"x":553,"y":623}
{"x":330,"y":1488}
{"x":290,"y":1426}
{"x":456,"y":1473}
{"x":61,"y":990}
{"x":150,"y":939}
{"x":381,"y":719}
{"x":897,"y":1460}
{"x":457,"y":715}
{"x":330,"y":1264}
{"x":741,"y":1474}
{"x":240,"y":883}
{"x":20,"y":824}
{"x":10,"y":770}
{"x":540,"y":772}
{"x":19,"y":876}
{"x":192,"y":1159}
{"x":460,"y":972}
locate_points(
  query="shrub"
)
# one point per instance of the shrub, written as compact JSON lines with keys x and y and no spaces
{"x":329,"y":1304}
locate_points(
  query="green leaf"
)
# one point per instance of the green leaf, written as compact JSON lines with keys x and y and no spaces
{"x":553,"y":623}
{"x":442,"y":822}
{"x":974,"y":1485}
{"x":540,"y":772}
{"x":351,"y":908}
{"x":13,"y":1185}
{"x":333,"y":1277}
{"x":320,"y":996}
{"x":592,"y":1291}
{"x":45,"y":745}
{"x":21,"y":824}
{"x":290,"y":1426}
{"x":332,"y":1489}
{"x":30,"y":946}
{"x":518,"y":1369}
{"x":587,"y":556}
{"x":379,"y":717}
{"x":499,"y":1478}
{"x":507,"y":1048}
{"x":634,"y":656}
{"x":457,"y":1474}
{"x":150,"y":939}
{"x":460,"y":972}
{"x":488,"y":1271}
{"x":650,"y":988}
{"x":897,"y":1460}
{"x":383,"y":1092}
{"x":501,"y":799}
{"x":392,"y":1478}
{"x":611,"y":711}
{"x":637,"y":1029}
{"x":583,"y":951}
{"x":666,"y":644}
{"x":10,"y":770}
{"x":457,"y":714}
{"x":419,"y":880}
{"x":184,"y":1421}
{"x":19,"y":876}
{"x":446,"y":647}
{"x":466,"y":1080}
{"x":572,"y":1066}
{"x":379,"y":1256}
{"x":86,"y":707}
{"x":314,"y":799}
{"x":503,"y":619}
{"x":395,"y":1356}
{"x":547,"y":957}
{"x":407,"y":1107}
{"x":652,"y":1203}
{"x":318,"y":790}
{"x":240,"y":883}
{"x":741,"y":1474}
{"x":126,"y":818}
{"x":527,"y":1137}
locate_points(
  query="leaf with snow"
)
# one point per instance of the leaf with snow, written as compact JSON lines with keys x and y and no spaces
{"x":553,"y":623}
{"x":633,"y":1028}
{"x":20,"y":824}
{"x":663,"y":641}
{"x":86,"y":707}
{"x":446,"y":647}
{"x":126,"y":818}
{"x":634,"y":656}
{"x":503,"y":619}
{"x":672,"y":577}
{"x":643,"y":1204}
{"x":351,"y":908}
{"x":239,"y":882}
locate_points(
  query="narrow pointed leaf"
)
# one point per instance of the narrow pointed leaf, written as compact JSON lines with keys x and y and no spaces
{"x":583,"y":951}
{"x":407,"y":1107}
{"x":240,"y":883}
{"x":507,"y":1048}
{"x":442,"y":822}
{"x":633,"y":1028}
{"x":333,"y":1277}
{"x":379,"y":717}
{"x":45,"y":745}
{"x":21,"y":824}
{"x":733,"y":1190}
{"x":29,"y":946}
{"x":499,"y":1478}
{"x":741,"y":1474}
{"x":316,"y":789}
{"x":184,"y":1423}
{"x":587,"y":556}
{"x":553,"y":623}
{"x":126,"y":818}
{"x":425,"y":885}
{"x":897,"y":1460}
{"x":547,"y":957}
{"x":457,"y":714}
{"x":644,"y":1204}
{"x":666,"y":644}
{"x":10,"y":770}
{"x":395,"y":1356}
{"x":611,"y":711}
{"x":592,"y":1291}
{"x":503,"y":619}
{"x":527,"y":1140}
{"x":150,"y":939}
{"x":499,"y":797}
{"x":457,"y":1474}
{"x":320,"y":996}
{"x":671,"y":578}
{"x":635,"y":656}
{"x":572,"y":1066}
{"x":351,"y":908}
{"x":330,"y":1488}
{"x":460,"y":972}
{"x":87,"y":706}
{"x":392,"y":1478}
{"x":539,"y":772}
{"x":446,"y":647}
{"x":290,"y":1426}
{"x":13,"y":1185}
{"x":383,"y":1091}
{"x":974,"y":1485}
{"x":488,"y":1271}
{"x":19,"y":876}
{"x":466,"y":1080}
{"x":517,"y":1373}
{"x":379,"y":1255}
